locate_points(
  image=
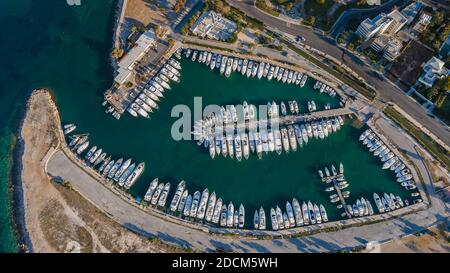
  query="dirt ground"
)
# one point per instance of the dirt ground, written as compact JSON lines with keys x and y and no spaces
{"x":57,"y":218}
{"x":146,"y":12}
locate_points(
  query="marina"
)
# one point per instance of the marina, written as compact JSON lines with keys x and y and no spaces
{"x":340,"y":146}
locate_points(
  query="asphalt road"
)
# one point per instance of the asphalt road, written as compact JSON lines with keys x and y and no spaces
{"x":387,"y":91}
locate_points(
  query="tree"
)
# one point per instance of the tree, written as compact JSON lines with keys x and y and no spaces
{"x":134,"y":29}
{"x":340,"y":40}
{"x":351,"y":46}
{"x":320,"y":2}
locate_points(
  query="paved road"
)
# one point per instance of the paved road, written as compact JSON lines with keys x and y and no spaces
{"x":387,"y":91}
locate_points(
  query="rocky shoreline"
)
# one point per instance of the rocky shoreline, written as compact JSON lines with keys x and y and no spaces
{"x":16,"y":189}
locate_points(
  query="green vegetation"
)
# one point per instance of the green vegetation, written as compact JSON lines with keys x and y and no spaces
{"x":438,"y":30}
{"x":372,"y":55}
{"x":435,"y":149}
{"x":316,"y":11}
{"x":262,"y":5}
{"x":117,"y":53}
{"x":128,"y":84}
{"x":264,"y":40}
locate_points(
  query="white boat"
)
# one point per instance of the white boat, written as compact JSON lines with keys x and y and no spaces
{"x":290,"y":213}
{"x":283,"y":108}
{"x":203,"y":203}
{"x":278,"y":144}
{"x":238,"y":147}
{"x":164,"y":194}
{"x":303,"y":81}
{"x":305,"y":213}
{"x":378,"y":203}
{"x":187,"y":206}
{"x":157,"y":193}
{"x":210,"y":207}
{"x":217,"y":209}
{"x":122,"y":169}
{"x":298,"y":134}
{"x":126,"y":174}
{"x":292,"y":138}
{"x":223,"y":216}
{"x":256,"y":220}
{"x":317,"y":214}
{"x":285,"y":139}
{"x":286,"y":222}
{"x":262,"y":219}
{"x":312,"y":216}
{"x":131,"y":179}
{"x":90,"y":153}
{"x":241,"y":216}
{"x":323,"y":213}
{"x":148,"y":195}
{"x":259,"y":148}
{"x":245,"y":146}
{"x":270,"y":140}
{"x":230,"y":215}
{"x":297,"y":212}
{"x":280,"y":220}
{"x":273,"y":218}
{"x":182,"y":203}
{"x":177,"y":197}
{"x":244,"y":67}
{"x":195,"y":203}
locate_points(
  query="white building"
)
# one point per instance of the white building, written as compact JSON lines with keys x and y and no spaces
{"x":393,"y":49}
{"x":370,"y":27}
{"x":398,"y":21}
{"x":382,"y":23}
{"x":127,"y":63}
{"x":422,"y":22}
{"x":411,"y":11}
{"x":214,"y":26}
{"x":432,"y":70}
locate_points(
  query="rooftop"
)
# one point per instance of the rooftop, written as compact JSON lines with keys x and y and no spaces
{"x":411,"y":11}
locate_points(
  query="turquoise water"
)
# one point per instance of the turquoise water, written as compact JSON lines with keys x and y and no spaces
{"x":47,"y":44}
{"x":267,"y":182}
{"x":66,"y":49}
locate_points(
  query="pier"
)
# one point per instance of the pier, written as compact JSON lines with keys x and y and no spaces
{"x":341,"y":198}
{"x":241,"y":125}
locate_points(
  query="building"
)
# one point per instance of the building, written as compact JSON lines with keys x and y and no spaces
{"x":411,"y":11}
{"x":370,"y":27}
{"x":422,"y":22}
{"x":390,"y":46}
{"x":127,"y":63}
{"x":393,"y":49}
{"x":389,"y":24}
{"x":213,"y":25}
{"x":398,"y":20}
{"x":445,"y":48}
{"x":380,"y":43}
{"x":432,"y":70}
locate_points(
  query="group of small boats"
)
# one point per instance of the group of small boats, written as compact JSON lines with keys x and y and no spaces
{"x":250,"y":68}
{"x":323,"y":88}
{"x":387,"y":202}
{"x":295,"y":215}
{"x":390,"y":161}
{"x":201,"y":206}
{"x":124,"y":173}
{"x":285,"y":138}
{"x":152,"y":90}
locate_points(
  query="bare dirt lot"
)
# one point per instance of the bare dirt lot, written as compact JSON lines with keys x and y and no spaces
{"x":57,"y":218}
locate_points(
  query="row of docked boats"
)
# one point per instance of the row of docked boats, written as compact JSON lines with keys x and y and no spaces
{"x":151,"y":91}
{"x":124,"y":173}
{"x":285,"y":138}
{"x":388,"y":158}
{"x":201,"y":206}
{"x":387,"y":202}
{"x":69,"y":128}
{"x":250,"y":68}
{"x":323,"y":88}
{"x":362,"y":207}
{"x":295,"y":215}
